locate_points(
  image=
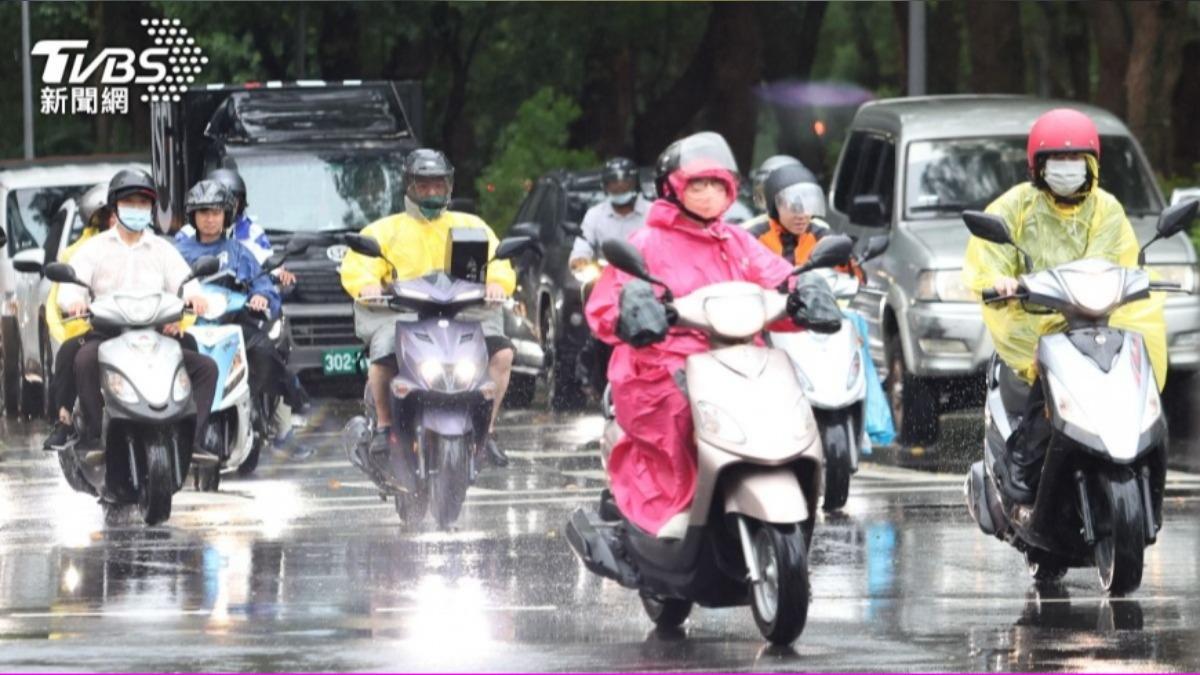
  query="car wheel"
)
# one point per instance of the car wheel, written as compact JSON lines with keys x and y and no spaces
{"x":47,"y":360}
{"x":10,"y":375}
{"x":562,"y":391}
{"x":913,"y":399}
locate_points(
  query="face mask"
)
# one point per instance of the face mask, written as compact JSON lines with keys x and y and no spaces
{"x":134,"y":219}
{"x":1065,"y":176}
{"x":432,"y":207}
{"x":623,"y":198}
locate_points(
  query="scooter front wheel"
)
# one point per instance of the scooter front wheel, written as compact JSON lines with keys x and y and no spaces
{"x":780,"y":598}
{"x":411,"y":506}
{"x":666,"y":612}
{"x":1120,"y":531}
{"x":158,"y":484}
{"x":836,"y":438}
{"x":448,"y":487}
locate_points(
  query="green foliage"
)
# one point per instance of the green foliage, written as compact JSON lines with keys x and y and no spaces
{"x":533,"y":143}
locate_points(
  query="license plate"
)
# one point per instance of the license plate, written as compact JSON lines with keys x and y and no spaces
{"x":343,"y":361}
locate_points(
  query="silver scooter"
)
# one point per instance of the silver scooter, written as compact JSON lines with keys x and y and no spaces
{"x":745,"y":538}
{"x":1100,"y":492}
{"x":831,"y":370}
{"x":149,"y":412}
{"x":441,"y":396}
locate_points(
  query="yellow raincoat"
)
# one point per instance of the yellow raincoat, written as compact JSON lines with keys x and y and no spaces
{"x":1053,"y":235}
{"x":60,"y":330}
{"x":416,"y":248}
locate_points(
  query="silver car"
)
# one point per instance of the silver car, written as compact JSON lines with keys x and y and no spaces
{"x":909,"y":167}
{"x":32,"y":194}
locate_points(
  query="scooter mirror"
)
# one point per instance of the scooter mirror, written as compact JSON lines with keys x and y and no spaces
{"x":1177,"y":218}
{"x":873,"y":248}
{"x":62,"y":273}
{"x":298,"y":244}
{"x":987,"y":226}
{"x":831,"y":251}
{"x":531,"y":230}
{"x":205,"y":265}
{"x":363,"y":245}
{"x":625,"y":257}
{"x":511,"y":246}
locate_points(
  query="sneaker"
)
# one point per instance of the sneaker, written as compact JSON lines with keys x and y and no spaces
{"x":61,"y":434}
{"x":497,"y":456}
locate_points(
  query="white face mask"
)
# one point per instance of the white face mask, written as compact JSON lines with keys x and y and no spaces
{"x":1065,"y":176}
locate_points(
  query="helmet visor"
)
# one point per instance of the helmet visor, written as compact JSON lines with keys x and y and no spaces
{"x":704,"y":152}
{"x":801,"y":198}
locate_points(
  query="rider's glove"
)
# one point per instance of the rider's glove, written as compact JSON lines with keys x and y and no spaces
{"x":643,"y":319}
{"x":812,"y":305}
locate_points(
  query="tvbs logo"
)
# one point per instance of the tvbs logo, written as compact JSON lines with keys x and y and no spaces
{"x":166,"y":69}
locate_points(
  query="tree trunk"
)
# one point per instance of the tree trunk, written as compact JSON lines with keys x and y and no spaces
{"x":944,"y":30}
{"x":606,"y":99}
{"x":1152,"y":73}
{"x":997,"y":62}
{"x":1185,"y":113}
{"x":1079,"y":51}
{"x":1111,"y":33}
{"x":733,"y":109}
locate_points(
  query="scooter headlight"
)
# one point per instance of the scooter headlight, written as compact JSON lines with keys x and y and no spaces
{"x":138,"y":309}
{"x":182,"y":387}
{"x":855,"y":369}
{"x":587,"y":273}
{"x":1153,"y":409}
{"x":714,"y":421}
{"x":464,"y":373}
{"x":432,"y":372}
{"x":1066,"y":405}
{"x":120,"y":387}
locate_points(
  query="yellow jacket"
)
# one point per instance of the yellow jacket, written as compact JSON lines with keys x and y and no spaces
{"x":417,"y":248}
{"x":1053,"y":235}
{"x":61,"y":331}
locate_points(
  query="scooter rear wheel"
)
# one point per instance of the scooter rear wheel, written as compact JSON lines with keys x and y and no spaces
{"x":1121,"y":533}
{"x":836,"y":439}
{"x":158,"y":484}
{"x":780,"y":600}
{"x":666,"y":612}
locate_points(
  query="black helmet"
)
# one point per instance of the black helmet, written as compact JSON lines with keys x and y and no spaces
{"x":428,"y":163}
{"x":700,"y":151}
{"x":93,"y":207}
{"x":787,"y":176}
{"x":232,"y":182}
{"x":618,"y":169}
{"x":209,"y":194}
{"x":129,"y":182}
{"x":759,"y":176}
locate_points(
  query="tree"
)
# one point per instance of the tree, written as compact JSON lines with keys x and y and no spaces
{"x":997,"y":62}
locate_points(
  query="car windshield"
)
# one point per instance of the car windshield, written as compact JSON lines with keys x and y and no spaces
{"x":30,"y":211}
{"x":948,"y":176}
{"x":305,"y":192}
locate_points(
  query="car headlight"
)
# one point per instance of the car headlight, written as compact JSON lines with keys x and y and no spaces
{"x":464,"y":373}
{"x":432,"y":372}
{"x":1183,"y":276}
{"x":182,"y":387}
{"x":587,"y":273}
{"x":943,"y":286}
{"x":716,"y":422}
{"x":138,"y":310}
{"x":120,"y":387}
{"x":276,"y":330}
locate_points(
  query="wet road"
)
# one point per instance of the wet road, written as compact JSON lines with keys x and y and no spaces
{"x":302,"y":568}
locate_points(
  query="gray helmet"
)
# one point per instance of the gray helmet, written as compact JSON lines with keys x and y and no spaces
{"x":759,"y":176}
{"x":93,"y":207}
{"x":428,"y":163}
{"x":209,"y":194}
{"x":232,"y":182}
{"x":787,"y":176}
{"x":618,"y":169}
{"x":130,"y":182}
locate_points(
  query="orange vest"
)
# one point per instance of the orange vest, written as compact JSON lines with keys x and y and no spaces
{"x":805,"y":243}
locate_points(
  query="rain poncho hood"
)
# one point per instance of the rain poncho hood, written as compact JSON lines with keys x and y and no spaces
{"x":1054,"y":234}
{"x":652,"y":469}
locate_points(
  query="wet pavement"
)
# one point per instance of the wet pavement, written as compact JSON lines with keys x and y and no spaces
{"x":302,"y":568}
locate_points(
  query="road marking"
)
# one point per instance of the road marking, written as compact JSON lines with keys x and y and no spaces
{"x":486,"y":608}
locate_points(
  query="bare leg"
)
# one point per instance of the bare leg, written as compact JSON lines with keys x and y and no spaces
{"x":379,"y":376}
{"x":500,"y":368}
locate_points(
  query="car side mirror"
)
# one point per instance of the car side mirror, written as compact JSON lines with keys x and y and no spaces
{"x":867,"y":210}
{"x":874,"y":247}
{"x":509,"y":247}
{"x":1182,"y":194}
{"x":832,"y":251}
{"x":363,"y":245}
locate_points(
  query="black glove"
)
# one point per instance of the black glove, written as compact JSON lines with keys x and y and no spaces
{"x":812,"y":305}
{"x":644,"y":319}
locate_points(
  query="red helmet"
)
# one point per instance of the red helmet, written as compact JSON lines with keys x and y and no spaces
{"x":1062,"y":130}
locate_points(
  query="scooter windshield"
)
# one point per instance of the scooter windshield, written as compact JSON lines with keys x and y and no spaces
{"x":1090,"y":289}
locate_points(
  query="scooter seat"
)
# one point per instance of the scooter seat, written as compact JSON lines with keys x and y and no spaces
{"x":675,"y":528}
{"x":1013,"y":390}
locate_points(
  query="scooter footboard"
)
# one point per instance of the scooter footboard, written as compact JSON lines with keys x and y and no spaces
{"x":767,"y":494}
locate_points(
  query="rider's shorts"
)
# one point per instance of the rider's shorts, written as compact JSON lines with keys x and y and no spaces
{"x":377,"y":329}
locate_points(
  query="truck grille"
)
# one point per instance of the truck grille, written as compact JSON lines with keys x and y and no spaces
{"x":319,"y":285}
{"x":322,"y":331}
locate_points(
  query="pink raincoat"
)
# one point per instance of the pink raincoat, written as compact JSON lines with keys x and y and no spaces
{"x":653,"y":468}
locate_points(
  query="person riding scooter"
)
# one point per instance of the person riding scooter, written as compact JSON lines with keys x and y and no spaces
{"x":131,"y":256}
{"x":413,"y":244}
{"x":758,"y":179}
{"x":71,"y":335}
{"x":1061,"y":214}
{"x":210,"y":208}
{"x":687,"y":245}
